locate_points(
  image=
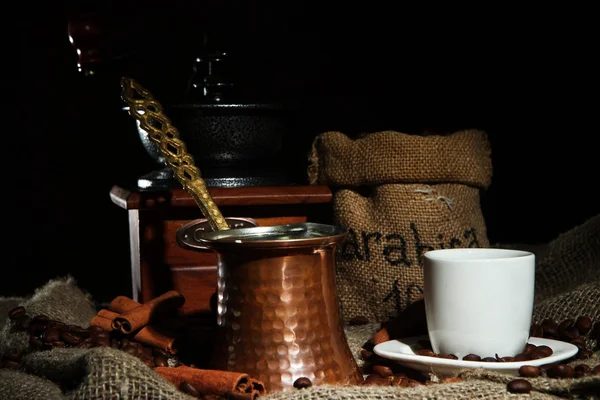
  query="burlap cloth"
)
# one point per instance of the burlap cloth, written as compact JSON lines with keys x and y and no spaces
{"x":568,"y":285}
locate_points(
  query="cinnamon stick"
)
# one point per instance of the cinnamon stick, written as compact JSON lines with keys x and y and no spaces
{"x":147,"y":335}
{"x":210,"y":381}
{"x":142,"y":315}
{"x":122,"y":304}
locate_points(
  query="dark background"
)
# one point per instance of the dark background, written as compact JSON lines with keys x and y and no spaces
{"x":527,"y":77}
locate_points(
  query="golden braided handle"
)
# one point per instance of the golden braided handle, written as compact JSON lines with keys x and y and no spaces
{"x":149,"y":112}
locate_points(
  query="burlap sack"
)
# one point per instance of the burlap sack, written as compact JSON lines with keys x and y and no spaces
{"x":399,"y":195}
{"x":98,"y":373}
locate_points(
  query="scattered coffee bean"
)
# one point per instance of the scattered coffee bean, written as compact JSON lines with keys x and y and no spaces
{"x":12,"y":355}
{"x":130,"y":350}
{"x":489,"y":359}
{"x":519,"y":386}
{"x":408,"y":382}
{"x":536,"y":331}
{"x":545,"y":350}
{"x":506,"y":359}
{"x":382,"y":370}
{"x":35,"y":343}
{"x":530,"y":348}
{"x":448,"y":356}
{"x":579,"y":342}
{"x":550,"y":328}
{"x":42,"y":318}
{"x":584,"y":354}
{"x":373,"y":380}
{"x":359,"y":320}
{"x":561,"y":371}
{"x":188,"y":388}
{"x":11,"y":364}
{"x":302,"y":383}
{"x":584,"y":325}
{"x":522,"y":357}
{"x":567,"y":330}
{"x":94,"y":328}
{"x":472,"y":357}
{"x":16,"y":313}
{"x":425,"y":352}
{"x":58,"y":344}
{"x":582,"y":370}
{"x":70,"y":339}
{"x":51,"y":334}
{"x":596,"y":370}
{"x":529,"y":371}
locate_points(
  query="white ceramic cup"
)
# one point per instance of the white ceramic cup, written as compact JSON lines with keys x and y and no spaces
{"x":479,"y":301}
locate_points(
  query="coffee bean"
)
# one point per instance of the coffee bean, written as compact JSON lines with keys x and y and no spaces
{"x":11,"y":364}
{"x":100,"y":335}
{"x":596,"y":370}
{"x":41,"y":318}
{"x":81,"y":332}
{"x":302,"y":383}
{"x":489,"y":359}
{"x":529,"y":371}
{"x":359,"y":320}
{"x":84,"y":345}
{"x":51,"y":334}
{"x":582,"y":370}
{"x":545,"y":349}
{"x":16,"y":313}
{"x":584,"y":324}
{"x":36,"y":327}
{"x":56,"y":324}
{"x":35,"y":343}
{"x":188,"y":388}
{"x":12,"y":355}
{"x":530,"y":348}
{"x":58,"y":344}
{"x":506,"y":359}
{"x":424,"y":345}
{"x":70,"y":339}
{"x":448,"y":356}
{"x":536,"y":331}
{"x":95,"y":329}
{"x":538,"y":354}
{"x":561,"y":371}
{"x":584,"y":354}
{"x":579,"y":342}
{"x":550,"y":328}
{"x":567,"y":330}
{"x":522,"y":357}
{"x":519,"y":386}
{"x":382,"y":370}
{"x":161,"y":361}
{"x":472,"y":357}
{"x":425,"y":352}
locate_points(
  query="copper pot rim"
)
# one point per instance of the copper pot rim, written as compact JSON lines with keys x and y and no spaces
{"x":249,"y":238}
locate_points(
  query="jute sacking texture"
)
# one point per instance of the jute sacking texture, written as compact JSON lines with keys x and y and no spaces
{"x":399,"y":195}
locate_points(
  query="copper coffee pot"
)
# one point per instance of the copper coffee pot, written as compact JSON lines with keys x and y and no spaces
{"x":277,"y":314}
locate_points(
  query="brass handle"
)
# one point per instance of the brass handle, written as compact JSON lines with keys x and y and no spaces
{"x":149,"y":112}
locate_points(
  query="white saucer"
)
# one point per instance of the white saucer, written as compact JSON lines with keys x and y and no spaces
{"x":404,"y":352}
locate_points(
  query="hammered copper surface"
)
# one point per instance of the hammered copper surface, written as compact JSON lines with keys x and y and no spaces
{"x":278,"y":317}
